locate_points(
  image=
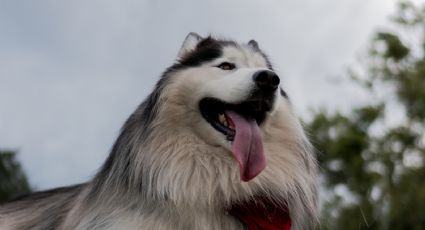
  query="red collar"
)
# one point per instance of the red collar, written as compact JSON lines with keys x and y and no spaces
{"x":261,"y":214}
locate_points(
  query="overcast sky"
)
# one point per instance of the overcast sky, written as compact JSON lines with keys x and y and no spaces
{"x":72,"y":71}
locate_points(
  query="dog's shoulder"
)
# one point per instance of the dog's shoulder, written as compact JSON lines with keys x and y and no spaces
{"x":38,"y":210}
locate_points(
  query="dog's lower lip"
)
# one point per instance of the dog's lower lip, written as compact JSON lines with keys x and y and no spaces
{"x":228,"y":132}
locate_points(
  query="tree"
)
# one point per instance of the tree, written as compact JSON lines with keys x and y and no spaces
{"x":13,"y":181}
{"x":373,"y":172}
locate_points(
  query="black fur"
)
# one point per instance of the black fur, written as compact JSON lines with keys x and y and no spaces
{"x":283,"y":93}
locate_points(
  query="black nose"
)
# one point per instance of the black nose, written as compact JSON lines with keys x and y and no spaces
{"x":266,"y":80}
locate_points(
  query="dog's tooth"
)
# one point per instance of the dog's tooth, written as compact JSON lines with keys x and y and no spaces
{"x":221,"y":118}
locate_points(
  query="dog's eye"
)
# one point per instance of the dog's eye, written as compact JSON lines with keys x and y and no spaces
{"x":226,"y":66}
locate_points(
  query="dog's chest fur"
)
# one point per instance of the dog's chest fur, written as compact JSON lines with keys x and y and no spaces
{"x":178,"y":221}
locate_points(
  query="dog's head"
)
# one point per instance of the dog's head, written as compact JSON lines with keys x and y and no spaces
{"x":219,"y":117}
{"x":228,"y":94}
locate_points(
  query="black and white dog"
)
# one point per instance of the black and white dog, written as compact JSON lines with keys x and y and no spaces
{"x":216,"y":145}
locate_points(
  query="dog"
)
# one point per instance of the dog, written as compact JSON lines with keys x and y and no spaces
{"x":216,"y":145}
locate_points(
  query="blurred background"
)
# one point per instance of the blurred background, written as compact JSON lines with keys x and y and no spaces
{"x":71,"y":72}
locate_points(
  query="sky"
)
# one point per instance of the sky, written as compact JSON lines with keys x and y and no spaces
{"x":71,"y":72}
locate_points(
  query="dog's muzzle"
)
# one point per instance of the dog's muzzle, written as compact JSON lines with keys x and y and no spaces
{"x":240,"y":122}
{"x":263,"y":95}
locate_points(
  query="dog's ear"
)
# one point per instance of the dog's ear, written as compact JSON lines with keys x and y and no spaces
{"x":253,"y":44}
{"x":189,"y":44}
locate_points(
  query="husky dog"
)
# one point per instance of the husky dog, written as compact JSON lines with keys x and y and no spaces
{"x":216,"y":145}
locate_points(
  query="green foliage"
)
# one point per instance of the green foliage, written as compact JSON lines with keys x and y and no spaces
{"x":374,"y":174}
{"x":13,"y":181}
{"x":395,"y":49}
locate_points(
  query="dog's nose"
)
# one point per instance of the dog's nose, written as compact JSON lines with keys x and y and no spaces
{"x":266,"y":80}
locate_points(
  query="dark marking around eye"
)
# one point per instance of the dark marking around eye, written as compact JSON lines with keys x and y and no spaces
{"x":226,"y":66}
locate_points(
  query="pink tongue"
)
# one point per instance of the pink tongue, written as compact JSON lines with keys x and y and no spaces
{"x":247,"y":146}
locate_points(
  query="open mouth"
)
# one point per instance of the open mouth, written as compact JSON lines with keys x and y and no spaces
{"x":239,"y":123}
{"x":216,"y":112}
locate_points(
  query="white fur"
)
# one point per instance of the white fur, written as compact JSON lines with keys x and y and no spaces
{"x":189,"y":44}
